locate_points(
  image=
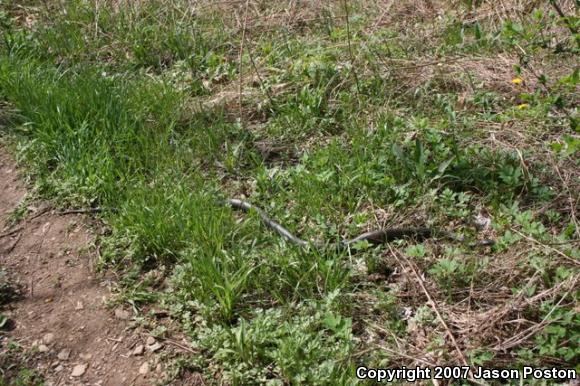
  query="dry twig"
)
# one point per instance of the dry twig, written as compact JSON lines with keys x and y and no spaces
{"x":240,"y":57}
{"x":350,"y":47}
{"x":433,"y":306}
{"x":531,"y":331}
{"x":559,"y":252}
{"x":9,"y":233}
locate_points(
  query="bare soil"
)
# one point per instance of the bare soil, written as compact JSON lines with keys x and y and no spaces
{"x":62,"y":308}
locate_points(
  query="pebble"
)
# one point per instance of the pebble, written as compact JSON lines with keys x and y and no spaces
{"x":138,"y":350}
{"x":144,"y":369}
{"x":155,"y":347}
{"x":79,"y":370}
{"x":48,"y":338}
{"x":64,"y":354}
{"x":122,"y":314}
{"x":150,"y":340}
{"x":482,"y":222}
{"x":43,"y":348}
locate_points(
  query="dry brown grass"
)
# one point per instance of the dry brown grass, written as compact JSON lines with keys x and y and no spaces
{"x":485,"y":315}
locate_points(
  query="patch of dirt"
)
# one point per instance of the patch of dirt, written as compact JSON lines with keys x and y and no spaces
{"x":61,"y":320}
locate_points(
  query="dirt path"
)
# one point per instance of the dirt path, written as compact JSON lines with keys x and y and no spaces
{"x":61,"y":318}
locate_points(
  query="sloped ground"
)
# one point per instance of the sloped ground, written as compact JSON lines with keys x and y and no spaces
{"x":60,"y":323}
{"x":337,"y":118}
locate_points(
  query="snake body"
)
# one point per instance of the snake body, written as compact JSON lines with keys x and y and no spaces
{"x":375,"y":237}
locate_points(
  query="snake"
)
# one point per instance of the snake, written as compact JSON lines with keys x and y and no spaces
{"x":376,"y":237}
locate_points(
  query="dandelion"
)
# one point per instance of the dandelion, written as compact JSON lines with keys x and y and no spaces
{"x":523,"y":106}
{"x":517,"y":81}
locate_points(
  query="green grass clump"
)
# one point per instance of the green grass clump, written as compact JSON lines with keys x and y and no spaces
{"x":162,"y":218}
{"x":87,"y":138}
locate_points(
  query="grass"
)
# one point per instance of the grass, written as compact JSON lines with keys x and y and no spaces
{"x":8,"y":292}
{"x":334,"y":127}
{"x":15,"y":368}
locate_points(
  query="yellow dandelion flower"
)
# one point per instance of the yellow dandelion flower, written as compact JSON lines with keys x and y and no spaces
{"x":517,"y":81}
{"x":523,"y":106}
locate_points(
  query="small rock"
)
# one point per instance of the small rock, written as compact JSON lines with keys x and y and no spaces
{"x":406,"y":313}
{"x":43,"y":348}
{"x":79,"y":370}
{"x":482,"y":222}
{"x":86,"y":357}
{"x":159,"y":367}
{"x":45,"y":227}
{"x":64,"y":354}
{"x":155,"y":347}
{"x":150,"y":340}
{"x":160,"y":313}
{"x":79,"y":306}
{"x":58,"y":369}
{"x":144,"y":369}
{"x":48,"y":338}
{"x":138,"y":350}
{"x":122,"y":314}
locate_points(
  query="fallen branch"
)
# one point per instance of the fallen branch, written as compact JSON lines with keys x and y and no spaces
{"x":9,"y":233}
{"x":11,"y":248}
{"x":86,"y":210}
{"x":180,"y":345}
{"x":564,"y":17}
